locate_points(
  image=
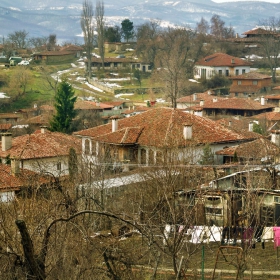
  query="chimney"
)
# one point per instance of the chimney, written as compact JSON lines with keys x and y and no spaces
{"x":251,"y":124}
{"x":6,"y":141}
{"x":194,"y":97}
{"x":263,"y":101}
{"x":15,"y":170}
{"x":187,"y":131}
{"x":201,"y":103}
{"x":215,"y":99}
{"x":229,"y":123}
{"x":43,"y":129}
{"x":237,"y":35}
{"x":114,"y":123}
{"x":237,"y":117}
{"x":275,"y":137}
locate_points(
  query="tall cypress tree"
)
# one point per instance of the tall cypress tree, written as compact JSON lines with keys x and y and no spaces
{"x":64,"y":104}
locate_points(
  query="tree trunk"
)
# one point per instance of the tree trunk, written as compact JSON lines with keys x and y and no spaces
{"x":35,"y":270}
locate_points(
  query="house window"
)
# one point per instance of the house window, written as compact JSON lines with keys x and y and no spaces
{"x":138,"y":65}
{"x":236,"y":94}
{"x":58,"y":166}
{"x":220,"y":72}
{"x":236,"y":72}
{"x":277,"y":199}
{"x":213,"y":211}
{"x":243,"y":71}
{"x":239,"y":82}
{"x":149,"y":67}
{"x":255,"y":83}
{"x":227,"y":73}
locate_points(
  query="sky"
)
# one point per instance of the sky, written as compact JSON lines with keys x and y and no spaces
{"x":224,"y":1}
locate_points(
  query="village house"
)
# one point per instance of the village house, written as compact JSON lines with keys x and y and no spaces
{"x":259,"y":151}
{"x":54,"y":56}
{"x":114,"y":63}
{"x":15,"y":181}
{"x":250,"y":84}
{"x":10,"y":118}
{"x":43,"y":151}
{"x":154,"y":136}
{"x":231,"y":107}
{"x":268,"y":120}
{"x":220,"y":64}
{"x":194,"y":99}
{"x":76,"y":50}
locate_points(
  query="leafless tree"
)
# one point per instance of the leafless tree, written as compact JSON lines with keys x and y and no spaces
{"x":270,"y":43}
{"x":87,"y":25}
{"x":175,"y":61}
{"x":100,"y":28}
{"x":19,"y":38}
{"x":148,"y":36}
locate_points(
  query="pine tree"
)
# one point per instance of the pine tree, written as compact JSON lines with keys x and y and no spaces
{"x":64,"y":105}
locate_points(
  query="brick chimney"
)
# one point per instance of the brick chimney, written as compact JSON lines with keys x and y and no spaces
{"x":187,"y":131}
{"x":6,"y":141}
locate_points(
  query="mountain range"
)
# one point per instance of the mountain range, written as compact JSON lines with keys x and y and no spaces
{"x":62,"y":17}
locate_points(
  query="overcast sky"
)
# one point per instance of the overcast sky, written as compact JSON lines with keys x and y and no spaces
{"x":223,"y":1}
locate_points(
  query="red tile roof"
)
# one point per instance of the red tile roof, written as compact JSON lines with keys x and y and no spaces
{"x":42,"y":145}
{"x":244,"y":88}
{"x":222,"y":59}
{"x":256,"y":149}
{"x":275,"y":97}
{"x":163,"y":127}
{"x":5,"y":126}
{"x":239,"y":126}
{"x":270,"y":116}
{"x":258,"y":31}
{"x":236,"y":103}
{"x":25,"y":178}
{"x":251,"y":76}
{"x":89,"y":105}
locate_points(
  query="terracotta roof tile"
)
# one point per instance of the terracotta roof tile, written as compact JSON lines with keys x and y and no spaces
{"x":42,"y":145}
{"x":258,"y":31}
{"x":236,"y":103}
{"x":26,"y":178}
{"x":164,"y":127}
{"x":274,"y":97}
{"x":256,"y":149}
{"x":222,"y":59}
{"x":88,"y":105}
{"x":250,"y":76}
{"x":270,"y":116}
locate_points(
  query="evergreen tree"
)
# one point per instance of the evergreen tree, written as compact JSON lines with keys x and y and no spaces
{"x":207,"y":157}
{"x":64,"y":105}
{"x":127,"y":29}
